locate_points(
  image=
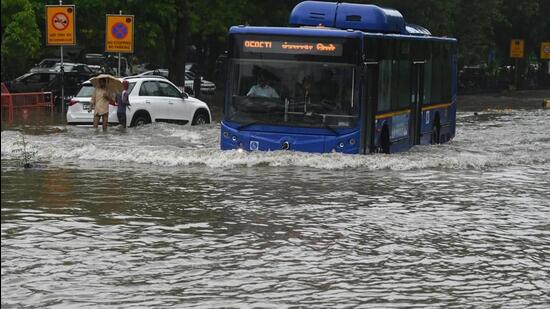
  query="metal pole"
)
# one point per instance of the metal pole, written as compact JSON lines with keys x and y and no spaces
{"x":516,"y":77}
{"x":62,"y":76}
{"x":62,"y":71}
{"x":119,"y":73}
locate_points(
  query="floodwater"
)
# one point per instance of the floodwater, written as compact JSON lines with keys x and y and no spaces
{"x":159,"y":217}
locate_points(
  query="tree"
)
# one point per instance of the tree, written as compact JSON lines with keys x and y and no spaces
{"x":20,"y":37}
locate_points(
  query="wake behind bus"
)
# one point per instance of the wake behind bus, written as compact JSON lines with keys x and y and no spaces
{"x":349,"y":78}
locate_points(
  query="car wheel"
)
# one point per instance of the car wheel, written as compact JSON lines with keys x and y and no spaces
{"x":200,"y":118}
{"x":140,"y":120}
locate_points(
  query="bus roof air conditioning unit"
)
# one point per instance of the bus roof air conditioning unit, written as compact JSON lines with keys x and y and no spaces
{"x":313,"y":13}
{"x":364,"y":17}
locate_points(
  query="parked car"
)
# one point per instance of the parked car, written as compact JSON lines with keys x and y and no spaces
{"x":152,"y":99}
{"x":97,"y":69}
{"x":73,"y":67}
{"x":46,"y":63}
{"x":207,"y":87}
{"x":158,"y":72}
{"x":32,"y":82}
{"x":144,"y":67}
{"x":47,"y":81}
{"x":100,"y":63}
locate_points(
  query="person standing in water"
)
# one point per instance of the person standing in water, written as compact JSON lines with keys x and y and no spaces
{"x":123,"y":103}
{"x":100,"y":103}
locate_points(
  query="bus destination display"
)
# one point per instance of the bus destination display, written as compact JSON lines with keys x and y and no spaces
{"x":285,"y":47}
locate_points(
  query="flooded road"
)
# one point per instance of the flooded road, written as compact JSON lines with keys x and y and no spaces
{"x":158,"y":217}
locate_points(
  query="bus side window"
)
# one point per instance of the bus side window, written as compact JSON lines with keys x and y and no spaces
{"x":404,"y":99}
{"x":437,"y":74}
{"x":446,"y":79}
{"x":384,"y":85}
{"x":385,"y":76}
{"x":428,"y":75}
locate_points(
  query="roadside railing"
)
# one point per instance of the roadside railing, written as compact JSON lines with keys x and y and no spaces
{"x":24,"y":101}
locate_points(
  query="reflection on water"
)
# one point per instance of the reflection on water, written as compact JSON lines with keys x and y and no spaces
{"x":158,"y":216}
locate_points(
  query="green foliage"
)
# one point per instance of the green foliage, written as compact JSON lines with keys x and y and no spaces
{"x":25,"y":154}
{"x":20,"y":38}
{"x":163,"y":26}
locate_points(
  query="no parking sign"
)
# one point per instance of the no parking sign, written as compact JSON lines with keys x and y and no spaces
{"x":60,"y":25}
{"x":119,"y":34}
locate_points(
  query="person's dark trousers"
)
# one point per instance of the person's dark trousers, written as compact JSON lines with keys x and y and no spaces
{"x":121,"y":118}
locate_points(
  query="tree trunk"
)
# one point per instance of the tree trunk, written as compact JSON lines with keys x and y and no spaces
{"x":168,"y":45}
{"x":176,"y":63}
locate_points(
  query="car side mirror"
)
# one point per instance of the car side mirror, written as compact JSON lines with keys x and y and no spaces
{"x":184,"y":95}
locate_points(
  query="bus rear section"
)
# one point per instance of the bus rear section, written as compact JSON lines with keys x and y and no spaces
{"x":410,"y":91}
{"x":292,"y":89}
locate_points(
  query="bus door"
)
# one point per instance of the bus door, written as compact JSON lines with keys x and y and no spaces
{"x":417,"y":83}
{"x":371,"y":98}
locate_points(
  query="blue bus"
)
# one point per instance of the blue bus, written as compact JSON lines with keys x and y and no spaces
{"x":349,"y":78}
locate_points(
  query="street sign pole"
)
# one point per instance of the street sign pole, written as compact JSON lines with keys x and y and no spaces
{"x":517,"y":52}
{"x":119,"y":37}
{"x":60,"y":31}
{"x":516,"y":75}
{"x":119,"y":74}
{"x":62,"y":76}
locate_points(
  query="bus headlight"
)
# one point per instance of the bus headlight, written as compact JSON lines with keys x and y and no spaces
{"x":341,"y":145}
{"x":352,"y":141}
{"x":234,"y":138}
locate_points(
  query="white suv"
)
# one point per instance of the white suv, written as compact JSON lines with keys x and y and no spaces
{"x":152,"y":99}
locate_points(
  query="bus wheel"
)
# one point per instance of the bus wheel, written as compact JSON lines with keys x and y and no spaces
{"x":436,"y":136}
{"x":384,"y":145}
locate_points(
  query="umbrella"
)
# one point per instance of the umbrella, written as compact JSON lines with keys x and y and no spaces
{"x":113,"y":84}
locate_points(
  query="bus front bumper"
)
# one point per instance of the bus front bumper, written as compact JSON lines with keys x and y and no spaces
{"x":256,"y":140}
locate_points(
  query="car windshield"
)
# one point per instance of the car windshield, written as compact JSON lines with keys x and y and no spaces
{"x":85,"y":91}
{"x":47,"y":63}
{"x":23,"y":76}
{"x":306,"y":94}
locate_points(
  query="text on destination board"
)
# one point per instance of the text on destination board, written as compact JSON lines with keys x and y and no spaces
{"x":282,"y":47}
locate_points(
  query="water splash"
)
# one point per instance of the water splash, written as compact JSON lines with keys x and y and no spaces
{"x":483,"y":140}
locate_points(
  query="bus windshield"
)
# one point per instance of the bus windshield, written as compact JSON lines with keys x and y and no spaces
{"x":295,"y":93}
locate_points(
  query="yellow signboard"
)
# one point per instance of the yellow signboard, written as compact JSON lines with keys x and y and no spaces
{"x":60,"y":25}
{"x":119,"y":34}
{"x":545,"y":50}
{"x":516,"y":48}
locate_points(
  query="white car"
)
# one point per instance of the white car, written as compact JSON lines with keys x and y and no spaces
{"x":152,"y":99}
{"x":207,"y":87}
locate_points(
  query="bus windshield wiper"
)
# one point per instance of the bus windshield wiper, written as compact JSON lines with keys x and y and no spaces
{"x":327,"y":126}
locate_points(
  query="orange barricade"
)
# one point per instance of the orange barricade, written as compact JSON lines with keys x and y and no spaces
{"x":12,"y":101}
